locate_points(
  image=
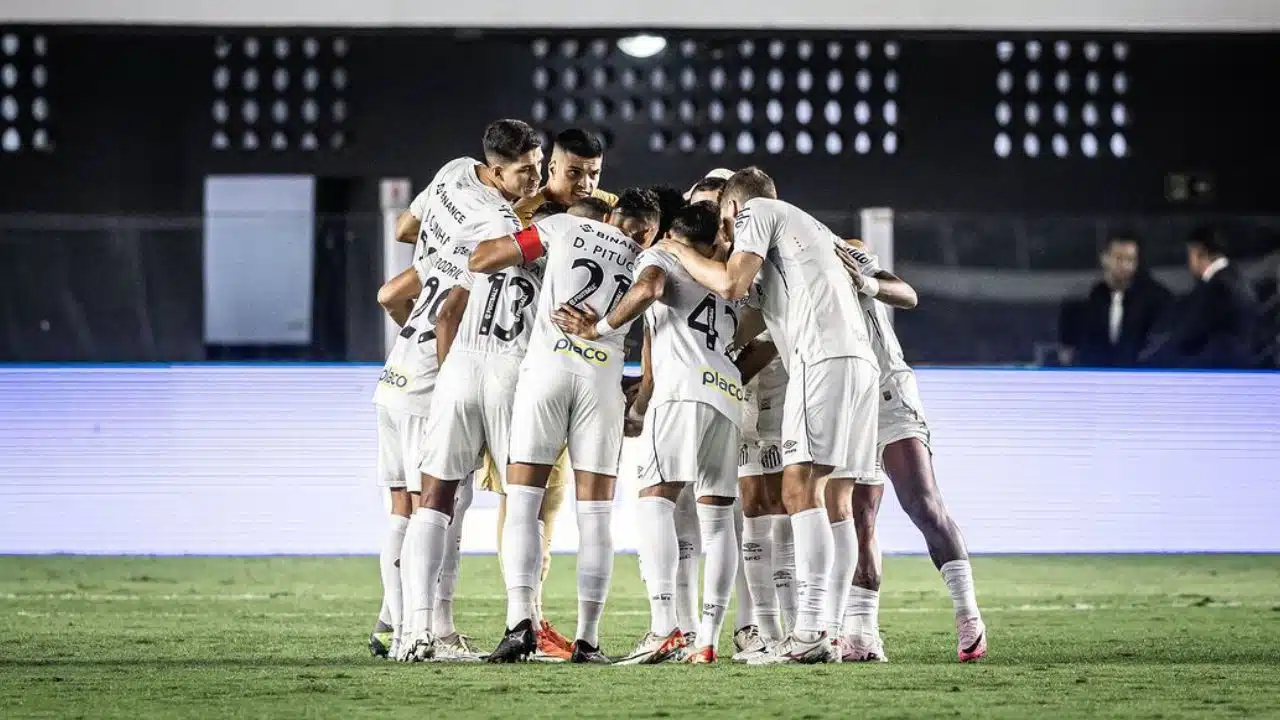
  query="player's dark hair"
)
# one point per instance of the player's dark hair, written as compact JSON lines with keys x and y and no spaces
{"x":639,"y":203}
{"x":582,"y":143}
{"x":670,"y":200}
{"x":747,"y":184}
{"x":698,"y":223}
{"x":709,"y":184}
{"x":1208,"y":239}
{"x":549,"y":208}
{"x":592,"y":208}
{"x":507,"y":140}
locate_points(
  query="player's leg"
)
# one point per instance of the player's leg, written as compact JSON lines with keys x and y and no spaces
{"x":455,"y":436}
{"x":860,"y":640}
{"x":744,"y":612}
{"x":909,"y":465}
{"x":717,"y":488}
{"x":550,"y":641}
{"x":784,"y":552}
{"x":828,"y":421}
{"x":759,"y":515}
{"x":689,"y":537}
{"x":386,"y":632}
{"x":595,"y":445}
{"x":539,"y":418}
{"x":658,"y":550}
{"x":391,"y":475}
{"x":839,"y":502}
{"x":450,"y":643}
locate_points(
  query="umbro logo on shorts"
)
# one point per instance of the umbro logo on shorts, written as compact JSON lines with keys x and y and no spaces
{"x":789,"y":446}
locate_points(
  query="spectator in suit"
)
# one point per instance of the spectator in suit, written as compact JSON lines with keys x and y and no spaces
{"x":1110,"y":326}
{"x":1214,"y":325}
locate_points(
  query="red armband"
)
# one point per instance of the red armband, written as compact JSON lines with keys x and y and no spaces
{"x":530,"y":243}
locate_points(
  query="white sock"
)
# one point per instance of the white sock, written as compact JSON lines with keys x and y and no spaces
{"x":784,"y":571}
{"x":521,"y":551}
{"x":757,"y":567}
{"x":595,"y":566}
{"x":744,"y":611}
{"x":721,"y":545}
{"x":411,"y":579}
{"x":844,"y":561}
{"x":659,"y":558}
{"x":959,"y":578}
{"x":862,"y":614}
{"x":537,"y":588}
{"x":389,"y":563}
{"x":442,"y":616}
{"x":690,"y":543}
{"x":813,"y":565}
{"x":433,"y":533}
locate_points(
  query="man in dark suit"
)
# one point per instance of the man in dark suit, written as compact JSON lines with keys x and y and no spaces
{"x":1111,"y":325}
{"x":1214,"y":325}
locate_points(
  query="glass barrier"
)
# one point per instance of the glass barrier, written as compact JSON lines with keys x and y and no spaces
{"x":994,"y":288}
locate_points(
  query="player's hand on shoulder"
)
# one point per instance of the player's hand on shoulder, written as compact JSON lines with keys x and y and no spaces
{"x":576,"y":322}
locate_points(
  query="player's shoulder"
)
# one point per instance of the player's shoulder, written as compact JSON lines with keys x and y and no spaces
{"x":658,"y":257}
{"x":454,"y":169}
{"x":526,"y":207}
{"x":606,"y":196}
{"x":766,"y":206}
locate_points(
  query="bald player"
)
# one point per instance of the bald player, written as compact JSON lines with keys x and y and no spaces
{"x":573,"y":179}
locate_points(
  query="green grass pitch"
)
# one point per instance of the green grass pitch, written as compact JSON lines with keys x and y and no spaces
{"x":1071,"y":637}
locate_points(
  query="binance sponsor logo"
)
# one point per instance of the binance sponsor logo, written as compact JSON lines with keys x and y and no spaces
{"x":586,"y":352}
{"x":726,"y":385}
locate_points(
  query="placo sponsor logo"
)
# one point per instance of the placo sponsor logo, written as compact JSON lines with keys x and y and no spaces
{"x":586,"y":352}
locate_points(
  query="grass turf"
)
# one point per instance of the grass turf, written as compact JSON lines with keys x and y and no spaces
{"x":1071,"y":636}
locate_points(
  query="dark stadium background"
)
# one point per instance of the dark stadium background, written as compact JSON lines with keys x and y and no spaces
{"x":129,"y":125}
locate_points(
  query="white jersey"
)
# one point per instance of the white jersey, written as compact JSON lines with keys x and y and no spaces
{"x":457,"y":210}
{"x":803,"y":289}
{"x":589,"y":264}
{"x":691,"y":332}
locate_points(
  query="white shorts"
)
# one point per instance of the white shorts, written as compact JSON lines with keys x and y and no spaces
{"x":400,"y":440}
{"x":690,"y":442}
{"x":553,"y":409}
{"x":830,"y":413}
{"x":760,"y":457}
{"x":471,"y":411}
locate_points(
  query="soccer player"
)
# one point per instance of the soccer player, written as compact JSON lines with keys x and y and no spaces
{"x":764,"y":587}
{"x":690,"y":431}
{"x":829,"y":411}
{"x":482,"y":333}
{"x":570,"y":392}
{"x":401,"y":414}
{"x":903,"y":449}
{"x":573,"y":178}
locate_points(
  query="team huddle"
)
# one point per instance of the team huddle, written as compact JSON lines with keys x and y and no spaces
{"x":773,"y":401}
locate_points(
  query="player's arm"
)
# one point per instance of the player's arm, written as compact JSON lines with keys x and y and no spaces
{"x":647,"y":289}
{"x":634,"y":422}
{"x":507,"y":251}
{"x":396,"y":296}
{"x":750,"y":325}
{"x":729,"y":280}
{"x":448,"y":320}
{"x":407,"y":227}
{"x":641,"y":404}
{"x":755,"y":357}
{"x":872,"y":280}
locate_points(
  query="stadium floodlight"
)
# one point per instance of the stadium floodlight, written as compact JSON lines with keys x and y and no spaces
{"x":642,"y":46}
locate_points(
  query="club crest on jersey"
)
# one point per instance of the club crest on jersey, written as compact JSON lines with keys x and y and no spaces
{"x":586,"y":352}
{"x":393,"y":378}
{"x":711,"y":378}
